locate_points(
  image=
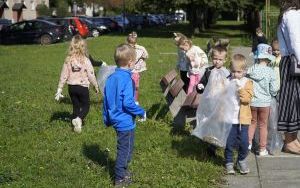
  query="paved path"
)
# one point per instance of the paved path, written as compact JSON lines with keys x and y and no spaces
{"x":244,"y":51}
{"x":279,"y":171}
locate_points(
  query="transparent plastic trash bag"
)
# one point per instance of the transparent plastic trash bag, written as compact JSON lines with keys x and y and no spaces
{"x":275,"y":141}
{"x":215,"y":110}
{"x":103,"y":73}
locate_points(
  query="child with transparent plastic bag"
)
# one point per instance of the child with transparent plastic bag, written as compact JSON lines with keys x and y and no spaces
{"x":265,"y":87}
{"x":140,"y":61}
{"x":78,"y":72}
{"x":276,"y":53}
{"x":197,"y":59}
{"x":241,"y":120}
{"x":212,"y":88}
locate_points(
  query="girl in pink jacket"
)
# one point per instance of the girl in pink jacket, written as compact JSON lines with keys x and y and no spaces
{"x":78,"y":72}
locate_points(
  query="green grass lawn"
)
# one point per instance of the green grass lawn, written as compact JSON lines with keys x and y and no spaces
{"x":39,"y":149}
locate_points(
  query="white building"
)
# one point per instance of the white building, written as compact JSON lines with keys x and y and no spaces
{"x":17,"y":10}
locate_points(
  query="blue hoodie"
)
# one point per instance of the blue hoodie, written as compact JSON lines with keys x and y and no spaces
{"x":119,"y":108}
{"x":265,"y":85}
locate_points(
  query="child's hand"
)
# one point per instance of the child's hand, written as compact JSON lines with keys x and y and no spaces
{"x":144,"y":118}
{"x":58,"y":94}
{"x":97,"y":90}
{"x":200,"y":86}
{"x":242,"y":94}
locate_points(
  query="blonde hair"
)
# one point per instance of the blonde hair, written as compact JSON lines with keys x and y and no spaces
{"x":238,"y":62}
{"x":132,"y":38}
{"x":123,"y":54}
{"x":77,"y":49}
{"x":183,"y":41}
{"x":178,"y":36}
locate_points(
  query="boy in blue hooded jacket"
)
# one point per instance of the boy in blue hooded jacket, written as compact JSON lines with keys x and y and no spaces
{"x":120,"y":110}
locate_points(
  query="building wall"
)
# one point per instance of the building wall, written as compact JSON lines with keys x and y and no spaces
{"x":28,"y":13}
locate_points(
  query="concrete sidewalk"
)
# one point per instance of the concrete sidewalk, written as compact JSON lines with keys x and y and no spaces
{"x":282,"y":170}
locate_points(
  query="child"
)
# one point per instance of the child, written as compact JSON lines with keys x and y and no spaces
{"x":196,"y":59}
{"x":218,"y":59}
{"x":276,"y":53}
{"x":265,"y":87}
{"x":238,"y":135}
{"x":78,"y":72}
{"x":182,"y":63}
{"x":120,"y":110}
{"x":259,"y":38}
{"x":140,"y":64}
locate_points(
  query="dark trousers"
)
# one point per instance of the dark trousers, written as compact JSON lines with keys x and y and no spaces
{"x":185,"y":79}
{"x":80,"y":99}
{"x":238,"y":137}
{"x":125,"y":142}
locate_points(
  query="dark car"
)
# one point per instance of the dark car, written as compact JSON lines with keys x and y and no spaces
{"x":32,"y":31}
{"x":103,"y":22}
{"x":4,"y":23}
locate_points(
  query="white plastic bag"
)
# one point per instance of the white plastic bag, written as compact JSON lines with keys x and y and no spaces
{"x":275,"y":141}
{"x":215,"y":110}
{"x":103,"y":74}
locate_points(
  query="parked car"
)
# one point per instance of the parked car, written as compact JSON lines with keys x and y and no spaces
{"x":121,"y":21}
{"x":32,"y":31}
{"x":4,"y":23}
{"x":110,"y":24}
{"x":137,"y":21}
{"x":94,"y":31}
{"x":72,"y":25}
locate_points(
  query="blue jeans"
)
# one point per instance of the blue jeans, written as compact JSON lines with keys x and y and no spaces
{"x":125,"y":142}
{"x":238,"y":137}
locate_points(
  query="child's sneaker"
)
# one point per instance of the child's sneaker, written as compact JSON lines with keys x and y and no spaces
{"x":77,"y":122}
{"x":263,"y":152}
{"x":243,"y":167}
{"x":123,"y":182}
{"x":230,"y":169}
{"x":250,"y":147}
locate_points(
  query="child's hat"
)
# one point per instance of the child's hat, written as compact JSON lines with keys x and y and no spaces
{"x":264,"y":51}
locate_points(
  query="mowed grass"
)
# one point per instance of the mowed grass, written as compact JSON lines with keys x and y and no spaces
{"x":37,"y":144}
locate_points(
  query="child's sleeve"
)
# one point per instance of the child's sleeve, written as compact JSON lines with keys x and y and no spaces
{"x":129,"y":103}
{"x":145,"y":54}
{"x":273,"y":83}
{"x":64,"y":75}
{"x":204,"y":59}
{"x":246,"y":93}
{"x":91,"y":73}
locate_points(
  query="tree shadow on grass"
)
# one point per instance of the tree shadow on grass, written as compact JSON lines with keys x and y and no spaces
{"x":99,"y":157}
{"x":194,"y":148}
{"x":61,"y":116}
{"x":67,"y":100}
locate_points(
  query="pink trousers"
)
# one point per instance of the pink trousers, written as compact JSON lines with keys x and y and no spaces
{"x":260,"y":117}
{"x":136,"y":79}
{"x":194,"y":80}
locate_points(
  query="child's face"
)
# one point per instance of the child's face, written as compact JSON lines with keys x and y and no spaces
{"x":237,"y":73}
{"x":218,"y":59}
{"x":184,"y":47}
{"x":276,"y":51}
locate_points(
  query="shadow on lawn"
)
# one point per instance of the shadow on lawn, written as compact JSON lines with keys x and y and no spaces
{"x":194,"y":148}
{"x":157,"y":111}
{"x":61,"y":116}
{"x":191,"y":147}
{"x":99,"y":157}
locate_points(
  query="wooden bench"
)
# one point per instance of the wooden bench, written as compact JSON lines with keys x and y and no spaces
{"x":183,"y":107}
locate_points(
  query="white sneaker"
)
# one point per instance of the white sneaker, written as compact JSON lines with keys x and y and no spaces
{"x":263,"y":153}
{"x":250,"y":147}
{"x":77,"y":122}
